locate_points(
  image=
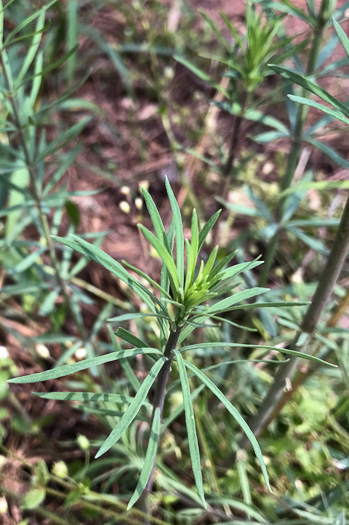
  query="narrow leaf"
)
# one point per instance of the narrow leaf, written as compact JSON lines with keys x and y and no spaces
{"x":234,"y":412}
{"x":130,"y":338}
{"x":96,"y":254}
{"x":150,"y":459}
{"x":234,"y":271}
{"x":318,"y":186}
{"x":147,"y":278}
{"x":62,"y":139}
{"x":201,"y":74}
{"x":223,"y":344}
{"x":90,"y":397}
{"x":131,"y":376}
{"x":165,"y":279}
{"x":133,"y":408}
{"x":190,"y":265}
{"x":194,"y":242}
{"x":342,"y":36}
{"x":82,"y":365}
{"x":165,"y":256}
{"x":228,"y":302}
{"x":177,"y":219}
{"x":28,"y":261}
{"x":191,"y":429}
{"x":156,"y":219}
{"x":329,"y":152}
{"x":129,"y":317}
{"x":207,"y":228}
{"x":310,"y":86}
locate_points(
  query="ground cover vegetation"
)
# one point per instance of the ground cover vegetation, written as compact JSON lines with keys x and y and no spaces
{"x":174,"y":282}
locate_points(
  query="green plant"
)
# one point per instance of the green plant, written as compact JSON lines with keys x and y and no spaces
{"x":178,"y":312}
{"x":336,"y":257}
{"x":245,"y":62}
{"x":247,"y":65}
{"x":31,"y":173}
{"x":318,"y":21}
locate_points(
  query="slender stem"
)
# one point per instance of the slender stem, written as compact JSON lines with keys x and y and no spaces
{"x":42,"y":216}
{"x":158,"y":402}
{"x":116,"y":516}
{"x":321,"y":296}
{"x":269,"y":258}
{"x":293,"y":157}
{"x":329,"y":274}
{"x":228,"y":166}
{"x":303,"y":374}
{"x":70,"y":485}
{"x":40,"y":510}
{"x":233,"y":147}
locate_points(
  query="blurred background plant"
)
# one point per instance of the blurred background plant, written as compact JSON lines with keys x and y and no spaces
{"x":148,"y":87}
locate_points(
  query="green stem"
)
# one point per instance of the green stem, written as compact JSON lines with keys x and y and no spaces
{"x":42,"y":216}
{"x":158,"y":402}
{"x":46,"y":514}
{"x":269,"y":259}
{"x":233,"y":147}
{"x":293,"y":157}
{"x":320,"y":298}
{"x":70,"y":485}
{"x":302,"y":375}
{"x":116,"y":516}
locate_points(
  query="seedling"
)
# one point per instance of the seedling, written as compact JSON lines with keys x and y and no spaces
{"x":178,"y":311}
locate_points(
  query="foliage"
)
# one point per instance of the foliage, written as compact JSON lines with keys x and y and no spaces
{"x":194,"y":350}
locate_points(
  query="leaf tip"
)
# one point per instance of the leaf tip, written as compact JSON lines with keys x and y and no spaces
{"x":99,"y":453}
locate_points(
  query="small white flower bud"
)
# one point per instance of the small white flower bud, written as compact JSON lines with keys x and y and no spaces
{"x":138,"y":203}
{"x":169,"y":73}
{"x":80,"y":354}
{"x":125,"y":207}
{"x":60,"y":469}
{"x":3,"y":461}
{"x":3,"y":505}
{"x":297,"y":277}
{"x":125,"y":190}
{"x":144,"y":184}
{"x":83,"y":442}
{"x":3,"y":352}
{"x":42,"y":351}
